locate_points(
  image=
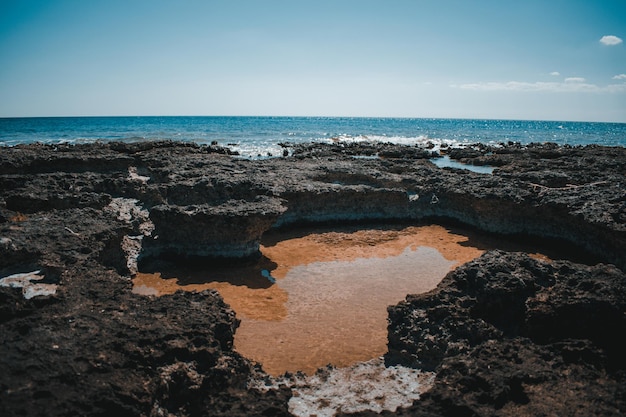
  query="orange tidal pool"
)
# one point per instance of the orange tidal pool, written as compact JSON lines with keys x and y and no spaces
{"x":320,"y":297}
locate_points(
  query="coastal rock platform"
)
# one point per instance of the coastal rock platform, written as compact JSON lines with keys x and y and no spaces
{"x":505,"y":334}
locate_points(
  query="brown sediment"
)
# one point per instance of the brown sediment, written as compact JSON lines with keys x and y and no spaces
{"x":330,"y":317}
{"x":337,"y":313}
{"x":241,"y":287}
{"x":249,"y":299}
{"x":367,"y":243}
{"x":337,"y":310}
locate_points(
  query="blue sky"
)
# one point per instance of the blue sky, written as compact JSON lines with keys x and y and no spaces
{"x":546,"y":60}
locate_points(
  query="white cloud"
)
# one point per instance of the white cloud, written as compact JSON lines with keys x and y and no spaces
{"x":616,"y":88}
{"x":610,"y":40}
{"x":575,"y":85}
{"x":620,"y":77}
{"x":555,"y":73}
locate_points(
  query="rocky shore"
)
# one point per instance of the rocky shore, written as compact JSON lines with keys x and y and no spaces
{"x":505,"y":334}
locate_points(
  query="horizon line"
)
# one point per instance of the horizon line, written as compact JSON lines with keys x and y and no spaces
{"x":313,"y":117}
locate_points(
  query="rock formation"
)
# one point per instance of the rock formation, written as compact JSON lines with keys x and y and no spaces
{"x":505,"y":334}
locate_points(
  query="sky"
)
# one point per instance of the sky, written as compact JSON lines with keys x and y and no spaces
{"x":533,"y":59}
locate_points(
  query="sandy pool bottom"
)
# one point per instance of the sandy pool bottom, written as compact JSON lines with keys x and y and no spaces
{"x":320,"y":297}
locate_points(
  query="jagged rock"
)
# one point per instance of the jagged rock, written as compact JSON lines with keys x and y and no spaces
{"x":509,"y":334}
{"x":506,"y":334}
{"x":231,"y":230}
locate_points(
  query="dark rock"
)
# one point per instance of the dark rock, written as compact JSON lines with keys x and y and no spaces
{"x":121,"y":354}
{"x":231,"y":230}
{"x":506,"y":334}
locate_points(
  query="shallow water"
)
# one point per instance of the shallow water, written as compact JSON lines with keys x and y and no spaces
{"x":446,"y":162}
{"x":337,"y":310}
{"x":321,"y":297}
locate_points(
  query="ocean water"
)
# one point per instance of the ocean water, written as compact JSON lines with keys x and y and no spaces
{"x":261,"y":136}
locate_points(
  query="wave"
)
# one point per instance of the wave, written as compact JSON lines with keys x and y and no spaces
{"x":422,"y":141}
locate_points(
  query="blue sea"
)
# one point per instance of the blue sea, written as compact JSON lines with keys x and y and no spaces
{"x":260,"y":136}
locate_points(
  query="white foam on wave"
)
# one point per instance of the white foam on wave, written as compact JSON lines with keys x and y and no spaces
{"x":256,"y":151}
{"x":257,"y":148}
{"x":420,"y":141}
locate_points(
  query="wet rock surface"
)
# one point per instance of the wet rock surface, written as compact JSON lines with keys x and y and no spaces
{"x":505,"y":334}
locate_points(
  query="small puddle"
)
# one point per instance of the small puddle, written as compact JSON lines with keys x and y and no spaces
{"x":446,"y":162}
{"x":320,"y":297}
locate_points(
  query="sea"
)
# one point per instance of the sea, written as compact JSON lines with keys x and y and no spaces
{"x":261,"y":137}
